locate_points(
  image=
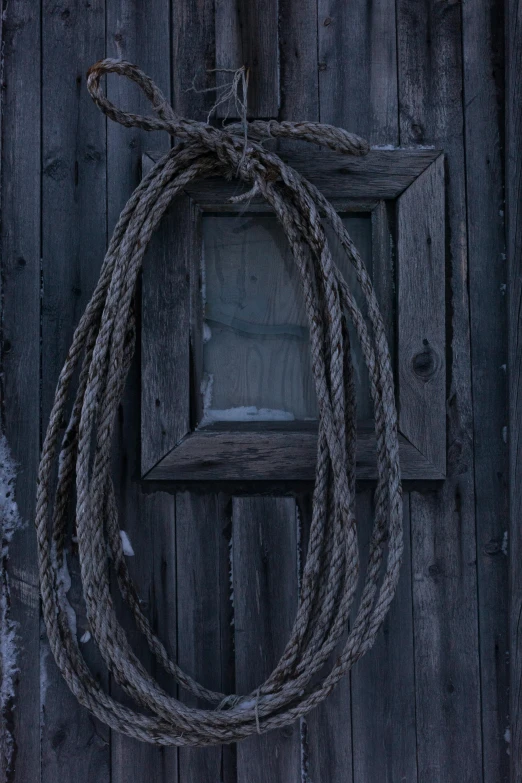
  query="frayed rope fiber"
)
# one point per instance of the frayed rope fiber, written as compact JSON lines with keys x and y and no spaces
{"x":103,"y":345}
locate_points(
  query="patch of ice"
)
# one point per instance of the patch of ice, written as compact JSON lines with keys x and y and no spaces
{"x":86,"y":637}
{"x":207,"y":332}
{"x":206,"y":391}
{"x":126,"y":544}
{"x":505,"y":543}
{"x":245,"y":413}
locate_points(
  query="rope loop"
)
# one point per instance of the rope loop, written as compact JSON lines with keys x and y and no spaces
{"x":102,"y":349}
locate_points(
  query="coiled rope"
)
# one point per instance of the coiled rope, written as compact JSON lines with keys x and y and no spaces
{"x":103,"y":345}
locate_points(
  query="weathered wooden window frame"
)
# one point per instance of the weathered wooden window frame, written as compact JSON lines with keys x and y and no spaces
{"x":404,"y":187}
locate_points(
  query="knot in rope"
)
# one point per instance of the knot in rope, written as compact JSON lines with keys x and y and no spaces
{"x":103,"y":346}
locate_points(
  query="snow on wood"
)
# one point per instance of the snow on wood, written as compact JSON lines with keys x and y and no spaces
{"x":126,"y":544}
{"x":9,"y":523}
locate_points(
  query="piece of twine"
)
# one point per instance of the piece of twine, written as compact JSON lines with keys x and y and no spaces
{"x":103,"y":345}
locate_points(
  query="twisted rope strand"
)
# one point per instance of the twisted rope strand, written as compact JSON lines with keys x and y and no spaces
{"x":103,"y":346}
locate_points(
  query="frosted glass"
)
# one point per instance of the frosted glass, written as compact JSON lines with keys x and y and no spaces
{"x":256,"y":358}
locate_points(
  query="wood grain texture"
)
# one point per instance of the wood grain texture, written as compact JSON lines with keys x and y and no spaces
{"x":327,"y":731}
{"x":73,"y":225}
{"x":299,"y":75}
{"x":193,"y":57}
{"x":262,"y":452}
{"x":247,"y":33}
{"x":20,"y":366}
{"x":483,"y":53}
{"x":165,"y":336}
{"x":514,"y":288}
{"x":205,"y":614}
{"x":381,"y":174}
{"x":444,"y":551}
{"x":264,"y":567}
{"x":358,"y":68}
{"x":421,"y":314}
{"x":140,"y":34}
{"x":383,"y":681}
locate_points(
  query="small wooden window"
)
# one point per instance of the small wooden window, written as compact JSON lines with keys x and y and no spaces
{"x":227,"y":393}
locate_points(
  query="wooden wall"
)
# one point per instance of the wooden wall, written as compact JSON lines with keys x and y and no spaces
{"x":430,"y":702}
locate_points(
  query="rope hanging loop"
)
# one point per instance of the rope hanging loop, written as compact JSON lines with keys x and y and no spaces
{"x":102,"y":349}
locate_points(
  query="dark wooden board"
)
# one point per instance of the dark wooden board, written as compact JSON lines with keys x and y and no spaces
{"x":260,"y":455}
{"x":165,"y":397}
{"x":379,"y":174}
{"x":483,"y":53}
{"x":247,"y":34}
{"x":20,"y":367}
{"x":514,"y":289}
{"x":421,"y":328}
{"x":328,"y":731}
{"x":264,"y":568}
{"x":74,"y":233}
{"x":358,"y":67}
{"x":204,"y":616}
{"x":449,"y":743}
{"x":140,"y":34}
{"x":383,"y":681}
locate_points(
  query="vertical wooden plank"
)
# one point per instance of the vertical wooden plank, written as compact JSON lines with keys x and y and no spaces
{"x":298,"y":53}
{"x":483,"y":53}
{"x":74,"y":746}
{"x":20,"y":364}
{"x":385,"y":681}
{"x":358,"y":67}
{"x":421,"y":310}
{"x":327,"y":731}
{"x":514,"y":287}
{"x":358,"y":90}
{"x":443,"y":523}
{"x":140,"y":34}
{"x":193,"y":56}
{"x":247,"y":33}
{"x":165,"y":337}
{"x":204,"y":616}
{"x":264,"y":552}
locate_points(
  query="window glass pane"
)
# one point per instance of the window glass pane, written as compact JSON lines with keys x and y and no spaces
{"x":256,"y":358}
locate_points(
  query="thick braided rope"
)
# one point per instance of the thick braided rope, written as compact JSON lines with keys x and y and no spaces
{"x":102,"y":348}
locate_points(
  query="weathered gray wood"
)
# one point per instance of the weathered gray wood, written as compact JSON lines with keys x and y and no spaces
{"x":383,"y":271}
{"x":358,"y":90}
{"x":443,"y":525}
{"x":327,"y":731}
{"x":264,"y":568}
{"x":514,"y":287}
{"x":247,"y":34}
{"x":381,"y":174}
{"x":483,"y":95}
{"x":421,"y":314}
{"x":261,"y":451}
{"x":383,"y":681}
{"x":205,"y":613}
{"x":140,"y":34}
{"x":193,"y":57}
{"x":298,"y":55}
{"x":165,"y":337}
{"x":358,"y":67}
{"x":20,"y":368}
{"x":73,"y":225}
{"x":204,"y":632}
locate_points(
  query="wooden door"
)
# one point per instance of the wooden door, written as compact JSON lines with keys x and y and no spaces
{"x":217,"y":564}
